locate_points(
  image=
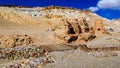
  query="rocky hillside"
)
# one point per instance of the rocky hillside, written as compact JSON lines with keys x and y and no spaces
{"x":64,"y":24}
{"x":24,"y":31}
{"x":116,"y":23}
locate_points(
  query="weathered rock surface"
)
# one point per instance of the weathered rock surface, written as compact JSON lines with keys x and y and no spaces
{"x":79,"y":29}
{"x":99,"y":26}
{"x":15,"y":40}
{"x":56,"y":24}
{"x":50,"y":26}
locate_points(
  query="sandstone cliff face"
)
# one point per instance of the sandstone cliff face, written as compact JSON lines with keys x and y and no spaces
{"x":66,"y":33}
{"x":99,"y":26}
{"x":66,"y":25}
{"x":75,"y":31}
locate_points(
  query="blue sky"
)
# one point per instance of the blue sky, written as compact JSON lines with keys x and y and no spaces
{"x":105,"y":8}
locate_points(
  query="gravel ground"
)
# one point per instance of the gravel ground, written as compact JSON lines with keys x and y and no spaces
{"x":21,"y":52}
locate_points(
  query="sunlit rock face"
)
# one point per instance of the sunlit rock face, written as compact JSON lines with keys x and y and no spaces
{"x":75,"y":30}
{"x":99,"y":26}
{"x":67,"y":25}
{"x":34,"y":36}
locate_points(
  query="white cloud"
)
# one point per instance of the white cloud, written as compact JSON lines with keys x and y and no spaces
{"x":106,"y":4}
{"x":94,"y":9}
{"x":109,"y":4}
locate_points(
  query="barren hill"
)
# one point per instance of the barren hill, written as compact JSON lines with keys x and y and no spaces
{"x":56,"y":28}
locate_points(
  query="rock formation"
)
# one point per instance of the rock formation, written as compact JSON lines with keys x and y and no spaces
{"x":64,"y":33}
{"x":73,"y":30}
{"x":99,"y":26}
{"x":15,"y":40}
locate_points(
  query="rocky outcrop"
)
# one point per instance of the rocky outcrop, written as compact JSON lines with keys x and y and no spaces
{"x":15,"y":40}
{"x":54,"y":29}
{"x":99,"y":26}
{"x":75,"y":31}
{"x":66,"y":25}
{"x":53,"y":16}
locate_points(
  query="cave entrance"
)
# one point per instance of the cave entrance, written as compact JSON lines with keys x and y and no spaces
{"x":72,"y":38}
{"x":71,"y":31}
{"x":98,"y":29}
{"x":87,"y":30}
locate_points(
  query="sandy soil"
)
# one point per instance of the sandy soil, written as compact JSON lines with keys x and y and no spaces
{"x":80,"y":59}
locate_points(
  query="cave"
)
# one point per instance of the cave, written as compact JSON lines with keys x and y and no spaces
{"x":98,"y":29}
{"x":87,"y":30}
{"x":71,"y":31}
{"x":72,"y":38}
